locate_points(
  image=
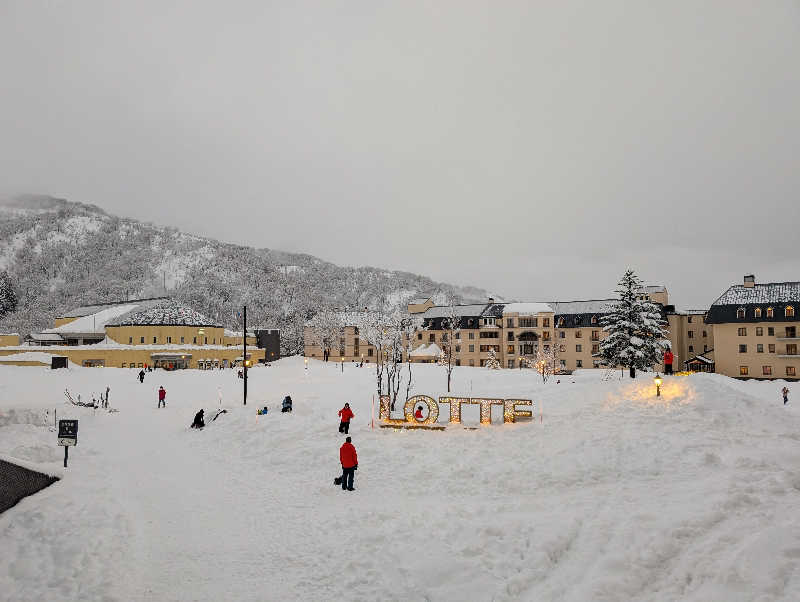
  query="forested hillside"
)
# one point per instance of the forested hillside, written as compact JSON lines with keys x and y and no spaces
{"x":61,"y":254}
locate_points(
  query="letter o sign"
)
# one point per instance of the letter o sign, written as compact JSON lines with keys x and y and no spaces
{"x":433,"y":409}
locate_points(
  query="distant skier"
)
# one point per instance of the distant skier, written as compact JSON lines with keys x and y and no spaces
{"x":346,"y":414}
{"x":198,"y":420}
{"x":668,"y":359}
{"x":785,"y":392}
{"x":418,"y":413}
{"x":349,"y":460}
{"x":162,"y":397}
{"x":141,"y":376}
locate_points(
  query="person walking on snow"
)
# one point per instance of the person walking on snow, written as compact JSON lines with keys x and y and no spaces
{"x":418,"y":413}
{"x":349,"y":460}
{"x":141,"y":376}
{"x":162,"y":397}
{"x":785,"y":392}
{"x":346,"y":414}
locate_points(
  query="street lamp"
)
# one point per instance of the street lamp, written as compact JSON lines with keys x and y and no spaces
{"x":658,"y":381}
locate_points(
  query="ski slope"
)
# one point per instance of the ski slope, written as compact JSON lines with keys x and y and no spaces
{"x":614,"y":495}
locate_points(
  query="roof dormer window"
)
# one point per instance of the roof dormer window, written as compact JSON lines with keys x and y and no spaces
{"x":740,"y":313}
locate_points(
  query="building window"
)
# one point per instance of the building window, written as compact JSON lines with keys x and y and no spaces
{"x":578,"y":348}
{"x":757,"y":312}
{"x":742,"y":332}
{"x":789,"y":311}
{"x":770,"y":312}
{"x":771,"y":347}
{"x":472,"y":335}
{"x":691,"y":334}
{"x":472,"y":348}
{"x":740,"y":313}
{"x":759,"y":348}
{"x":130,"y":340}
{"x":578,"y":334}
{"x":766,"y":370}
{"x":579,"y":363}
{"x":743,"y":370}
{"x":691,"y":348}
{"x":742,"y":348}
{"x":509,"y":322}
{"x":155,"y":340}
{"x":510,"y":349}
{"x":770,"y":331}
{"x":510,"y":363}
{"x":510,"y":336}
{"x":790,"y":371}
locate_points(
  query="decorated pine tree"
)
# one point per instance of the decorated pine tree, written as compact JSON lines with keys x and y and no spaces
{"x":636,"y":337}
{"x":492,"y":362}
{"x":8,"y":299}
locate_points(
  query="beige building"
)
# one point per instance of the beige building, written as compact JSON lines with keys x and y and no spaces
{"x":159,"y":333}
{"x":755,"y":330}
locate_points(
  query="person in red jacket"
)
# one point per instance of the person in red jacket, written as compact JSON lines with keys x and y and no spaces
{"x":349,"y":460}
{"x":668,"y":357}
{"x":346,"y":414}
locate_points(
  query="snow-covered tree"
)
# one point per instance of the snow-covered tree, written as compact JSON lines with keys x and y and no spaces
{"x":492,"y":363}
{"x":451,"y":326}
{"x":8,"y":298}
{"x":636,"y":337}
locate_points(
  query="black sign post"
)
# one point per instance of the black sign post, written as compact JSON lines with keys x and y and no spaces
{"x":67,"y":436}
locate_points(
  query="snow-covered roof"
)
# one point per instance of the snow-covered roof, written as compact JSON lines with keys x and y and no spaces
{"x":771,"y":292}
{"x":527,"y":309}
{"x":442,"y":311}
{"x":95,"y":322}
{"x":432,"y":350}
{"x":592,"y":306}
{"x":166,"y":312}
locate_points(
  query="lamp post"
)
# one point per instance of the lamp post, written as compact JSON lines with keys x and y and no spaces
{"x":658,"y":381}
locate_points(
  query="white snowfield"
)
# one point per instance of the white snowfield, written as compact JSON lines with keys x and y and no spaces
{"x":616,"y":495}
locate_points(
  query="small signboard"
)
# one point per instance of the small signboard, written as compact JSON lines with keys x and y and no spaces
{"x":67,"y":432}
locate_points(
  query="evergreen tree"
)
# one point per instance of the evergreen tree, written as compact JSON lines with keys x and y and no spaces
{"x":492,"y":362}
{"x":8,"y":298}
{"x":636,"y":337}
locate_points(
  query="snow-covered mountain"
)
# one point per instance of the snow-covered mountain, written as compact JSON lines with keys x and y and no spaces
{"x":62,"y":254}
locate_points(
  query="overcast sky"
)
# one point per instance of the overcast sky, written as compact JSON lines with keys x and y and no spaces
{"x":535,"y":149}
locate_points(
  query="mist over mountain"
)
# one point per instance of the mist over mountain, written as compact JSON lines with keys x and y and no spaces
{"x":62,"y":254}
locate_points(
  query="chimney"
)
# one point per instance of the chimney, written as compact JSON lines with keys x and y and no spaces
{"x":749,"y":281}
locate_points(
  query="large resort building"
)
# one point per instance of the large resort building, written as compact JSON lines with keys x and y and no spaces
{"x":749,"y":332}
{"x":157,"y":333}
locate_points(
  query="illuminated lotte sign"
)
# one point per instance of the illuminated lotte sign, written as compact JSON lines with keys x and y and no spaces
{"x":510,"y":412}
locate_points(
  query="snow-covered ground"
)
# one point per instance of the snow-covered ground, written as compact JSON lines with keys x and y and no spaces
{"x":615,"y":495}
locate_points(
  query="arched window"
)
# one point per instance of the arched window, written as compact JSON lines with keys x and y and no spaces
{"x":740,"y":313}
{"x":770,"y":312}
{"x":789,"y":311}
{"x":757,"y":312}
